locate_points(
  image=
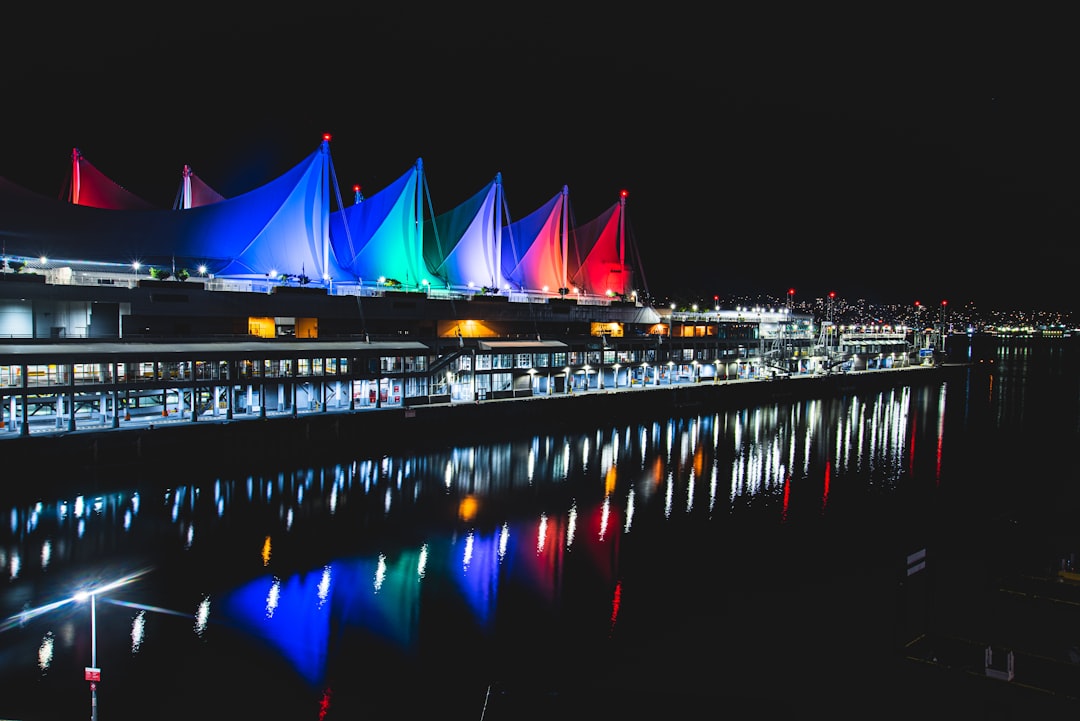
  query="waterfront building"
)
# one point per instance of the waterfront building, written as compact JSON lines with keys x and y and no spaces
{"x":208,"y":309}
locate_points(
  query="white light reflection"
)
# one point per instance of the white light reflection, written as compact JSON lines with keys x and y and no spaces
{"x":387,"y":501}
{"x":190,"y":537}
{"x":324,"y":586}
{"x":273,"y":597}
{"x":138,"y":631}
{"x":571,"y":526}
{"x":127,"y":519}
{"x":421,"y":564}
{"x":202,"y":616}
{"x":714,"y":485}
{"x":669,"y":492}
{"x":14,"y":566}
{"x":629,"y":511}
{"x":605,"y":516}
{"x":380,"y":572}
{"x":541,"y":534}
{"x":690,"y":490}
{"x":45,"y":651}
{"x":504,"y":539}
{"x":470,"y":541}
{"x":448,"y":474}
{"x":46,"y":554}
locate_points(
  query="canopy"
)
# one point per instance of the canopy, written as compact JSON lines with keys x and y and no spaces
{"x":278,"y":228}
{"x":378,"y":237}
{"x":285,"y":229}
{"x":461,"y":246}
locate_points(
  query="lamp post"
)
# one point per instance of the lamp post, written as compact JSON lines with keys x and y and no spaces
{"x":93,"y":673}
{"x":944,"y":303}
{"x":916,"y":335}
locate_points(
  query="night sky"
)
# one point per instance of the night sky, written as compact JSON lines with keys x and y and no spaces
{"x":892,"y":157}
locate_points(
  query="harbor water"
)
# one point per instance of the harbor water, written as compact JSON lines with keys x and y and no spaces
{"x":830,"y":554}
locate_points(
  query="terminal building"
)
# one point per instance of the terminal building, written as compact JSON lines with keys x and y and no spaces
{"x":104,"y":352}
{"x":207,"y":309}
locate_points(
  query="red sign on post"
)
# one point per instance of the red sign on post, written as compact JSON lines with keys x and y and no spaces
{"x":93,"y":674}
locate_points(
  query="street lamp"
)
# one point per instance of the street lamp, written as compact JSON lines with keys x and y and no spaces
{"x":93,"y":673}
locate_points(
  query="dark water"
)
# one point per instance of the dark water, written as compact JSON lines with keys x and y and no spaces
{"x":741,"y":561}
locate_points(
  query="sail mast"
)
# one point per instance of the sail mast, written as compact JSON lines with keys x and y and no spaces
{"x":622,"y":232}
{"x":565,"y":236}
{"x":325,"y":205}
{"x":497,"y":265}
{"x":417,"y":249}
{"x":185,"y":193}
{"x":74,"y":196}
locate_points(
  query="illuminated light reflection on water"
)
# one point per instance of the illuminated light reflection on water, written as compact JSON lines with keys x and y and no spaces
{"x":461,"y":558}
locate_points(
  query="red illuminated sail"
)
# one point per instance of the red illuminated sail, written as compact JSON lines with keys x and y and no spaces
{"x":92,"y":188}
